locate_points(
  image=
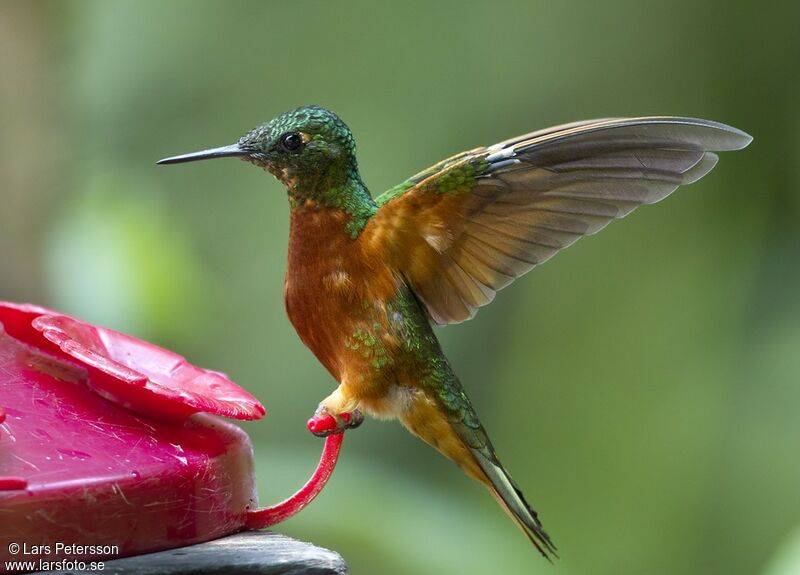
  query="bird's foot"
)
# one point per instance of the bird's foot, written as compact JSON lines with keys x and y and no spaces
{"x":324,"y":423}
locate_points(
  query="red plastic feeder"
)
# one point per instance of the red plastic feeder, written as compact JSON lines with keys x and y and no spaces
{"x":102,"y":444}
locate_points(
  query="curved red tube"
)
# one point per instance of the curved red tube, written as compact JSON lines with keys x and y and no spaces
{"x":269,"y":516}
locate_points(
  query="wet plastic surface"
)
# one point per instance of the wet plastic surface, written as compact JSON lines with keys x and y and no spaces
{"x":101,"y":442}
{"x":77,"y":468}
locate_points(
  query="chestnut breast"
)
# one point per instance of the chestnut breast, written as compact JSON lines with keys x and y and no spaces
{"x":334,"y":284}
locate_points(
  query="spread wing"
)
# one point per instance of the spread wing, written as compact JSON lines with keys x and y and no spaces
{"x":469,"y":225}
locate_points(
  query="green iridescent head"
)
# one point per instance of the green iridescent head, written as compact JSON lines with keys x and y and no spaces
{"x":310,"y":149}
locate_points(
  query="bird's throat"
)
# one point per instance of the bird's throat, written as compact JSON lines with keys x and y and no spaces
{"x":348,"y":195}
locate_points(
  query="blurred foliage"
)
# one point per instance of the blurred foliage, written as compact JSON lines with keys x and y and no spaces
{"x":145,"y":275}
{"x":787,"y":560}
{"x":642,"y":387}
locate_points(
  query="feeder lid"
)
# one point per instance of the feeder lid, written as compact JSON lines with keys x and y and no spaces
{"x":135,"y":374}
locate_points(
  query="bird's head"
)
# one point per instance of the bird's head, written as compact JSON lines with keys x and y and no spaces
{"x":306,"y":148}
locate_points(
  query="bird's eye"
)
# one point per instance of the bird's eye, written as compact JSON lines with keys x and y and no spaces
{"x":291,"y":142}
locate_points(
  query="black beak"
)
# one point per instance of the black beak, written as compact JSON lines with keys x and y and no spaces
{"x":231,"y":151}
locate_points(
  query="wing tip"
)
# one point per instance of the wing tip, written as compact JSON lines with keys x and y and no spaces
{"x":736,"y":139}
{"x":701,"y":169}
{"x":727,"y":137}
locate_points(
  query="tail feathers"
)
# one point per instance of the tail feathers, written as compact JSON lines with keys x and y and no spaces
{"x":511,"y":499}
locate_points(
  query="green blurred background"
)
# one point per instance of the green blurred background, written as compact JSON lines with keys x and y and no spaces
{"x":642,"y":387}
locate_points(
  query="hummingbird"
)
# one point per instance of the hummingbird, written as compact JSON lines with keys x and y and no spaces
{"x":368,"y":278}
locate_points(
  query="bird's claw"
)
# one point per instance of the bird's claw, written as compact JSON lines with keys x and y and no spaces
{"x":324,"y":424}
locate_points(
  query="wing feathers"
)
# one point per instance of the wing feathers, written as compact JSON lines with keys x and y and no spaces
{"x":653,"y":132}
{"x":669,"y":161}
{"x":521,"y":201}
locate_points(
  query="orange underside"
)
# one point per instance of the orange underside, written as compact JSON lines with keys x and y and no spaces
{"x":336,"y":286}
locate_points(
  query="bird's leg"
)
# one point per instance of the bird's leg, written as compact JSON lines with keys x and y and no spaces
{"x":337,"y":412}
